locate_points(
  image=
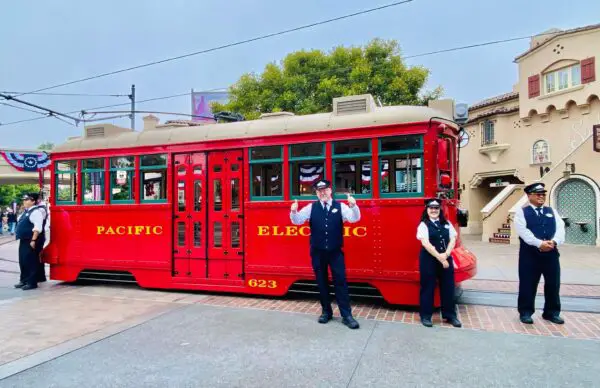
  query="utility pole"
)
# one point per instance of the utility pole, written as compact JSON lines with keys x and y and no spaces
{"x":132,"y":115}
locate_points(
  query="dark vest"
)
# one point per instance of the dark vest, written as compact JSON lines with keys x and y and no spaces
{"x":543,"y":227}
{"x":326,"y":228}
{"x":438,"y":237}
{"x":24,"y":229}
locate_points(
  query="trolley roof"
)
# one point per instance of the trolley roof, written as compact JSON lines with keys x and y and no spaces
{"x":348,"y":112}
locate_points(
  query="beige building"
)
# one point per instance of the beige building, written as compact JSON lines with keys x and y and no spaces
{"x":540,"y":131}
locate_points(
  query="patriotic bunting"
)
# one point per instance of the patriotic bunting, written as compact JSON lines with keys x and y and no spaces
{"x":26,"y":162}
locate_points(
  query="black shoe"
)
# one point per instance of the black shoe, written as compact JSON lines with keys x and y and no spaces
{"x":324,"y":318}
{"x":427,"y":322}
{"x":526,"y":319}
{"x":454,"y":322}
{"x":350,"y":322}
{"x":19,"y":285}
{"x":41,"y":280}
{"x":28,"y":287}
{"x":554,"y":319}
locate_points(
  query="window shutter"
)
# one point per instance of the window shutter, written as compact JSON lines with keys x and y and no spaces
{"x":534,"y":85}
{"x":588,"y":70}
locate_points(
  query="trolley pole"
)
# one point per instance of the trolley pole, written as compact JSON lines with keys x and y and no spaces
{"x":132,"y":115}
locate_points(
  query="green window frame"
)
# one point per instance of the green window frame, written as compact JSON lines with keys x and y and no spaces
{"x":72,"y":172}
{"x":151,"y":167}
{"x":412,"y":152}
{"x":359,"y":157}
{"x":292,"y":160}
{"x":258,"y":162}
{"x":86,"y":174}
{"x":130,"y":171}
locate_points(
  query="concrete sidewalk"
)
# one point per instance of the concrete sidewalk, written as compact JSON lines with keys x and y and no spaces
{"x":206,"y":346}
{"x":579,"y":264}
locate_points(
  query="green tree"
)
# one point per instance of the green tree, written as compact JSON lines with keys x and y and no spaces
{"x":10,"y":193}
{"x":307,"y":81}
{"x":47,"y":146}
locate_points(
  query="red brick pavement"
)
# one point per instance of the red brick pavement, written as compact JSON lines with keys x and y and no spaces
{"x":473,"y":317}
{"x":580,"y":290}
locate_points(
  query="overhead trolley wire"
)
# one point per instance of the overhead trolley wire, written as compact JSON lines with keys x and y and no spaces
{"x":217,"y":48}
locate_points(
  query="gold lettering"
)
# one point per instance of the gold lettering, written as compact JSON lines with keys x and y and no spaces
{"x":157,"y":230}
{"x":129,"y":230}
{"x":360,"y":228}
{"x":110,"y":230}
{"x":291,"y":230}
{"x":100,"y":229}
{"x":148,"y":229}
{"x":304,"y":231}
{"x":138,"y":230}
{"x":120,"y":230}
{"x":263,"y":230}
{"x":275,"y":230}
{"x":346,"y":231}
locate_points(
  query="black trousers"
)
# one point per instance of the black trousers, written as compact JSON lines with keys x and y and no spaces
{"x":532,"y":265}
{"x":432,"y":270}
{"x":321,"y":261}
{"x":29,"y":263}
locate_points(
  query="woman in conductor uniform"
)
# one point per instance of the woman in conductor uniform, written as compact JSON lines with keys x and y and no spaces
{"x":438,"y":237}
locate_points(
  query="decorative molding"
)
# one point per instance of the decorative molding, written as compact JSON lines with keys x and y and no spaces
{"x":544,"y":117}
{"x":584,"y":109}
{"x":527,"y":121}
{"x":563,"y":113}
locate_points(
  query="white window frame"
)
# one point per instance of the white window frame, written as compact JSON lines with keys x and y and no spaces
{"x":533,"y":147}
{"x":552,"y":82}
{"x":491,"y":141}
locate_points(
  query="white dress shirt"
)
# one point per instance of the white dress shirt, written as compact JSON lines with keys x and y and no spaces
{"x":527,"y":235}
{"x":348,"y":214}
{"x":37,"y":218}
{"x":423,"y":231}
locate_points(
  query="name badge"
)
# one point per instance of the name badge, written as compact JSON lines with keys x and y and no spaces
{"x":334,"y":210}
{"x":549,"y":215}
{"x":447,"y":226}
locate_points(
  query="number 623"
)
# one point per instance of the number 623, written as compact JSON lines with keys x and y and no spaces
{"x":262,"y":283}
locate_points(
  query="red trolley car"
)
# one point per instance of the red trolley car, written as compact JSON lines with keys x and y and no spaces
{"x":206,"y":207}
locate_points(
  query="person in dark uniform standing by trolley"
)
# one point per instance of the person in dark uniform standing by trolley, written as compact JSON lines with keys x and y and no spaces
{"x":30,"y":233}
{"x":541,"y":230}
{"x":326,"y":218}
{"x":438,"y":238}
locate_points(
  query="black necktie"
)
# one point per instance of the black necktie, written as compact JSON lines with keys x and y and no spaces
{"x":325,"y":207}
{"x":539,"y":211}
{"x":437,"y":223}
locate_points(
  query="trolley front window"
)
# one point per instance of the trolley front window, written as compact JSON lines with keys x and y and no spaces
{"x":401,"y":166}
{"x":153,"y":178}
{"x":92,"y":172}
{"x":266,"y":167}
{"x":66,"y":182}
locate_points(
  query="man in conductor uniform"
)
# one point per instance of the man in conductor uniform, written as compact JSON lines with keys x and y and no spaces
{"x":541,"y":230}
{"x":326,"y":218}
{"x":30,"y":233}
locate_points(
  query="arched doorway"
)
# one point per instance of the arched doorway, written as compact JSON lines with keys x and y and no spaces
{"x":577,"y":202}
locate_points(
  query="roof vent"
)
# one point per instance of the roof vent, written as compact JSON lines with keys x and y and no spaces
{"x":275,"y":115}
{"x":91,"y":132}
{"x":353,"y":105}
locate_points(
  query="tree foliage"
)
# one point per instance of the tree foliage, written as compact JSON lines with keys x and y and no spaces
{"x":307,"y":81}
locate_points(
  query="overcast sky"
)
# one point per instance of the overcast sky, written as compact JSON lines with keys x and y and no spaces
{"x":44,"y":43}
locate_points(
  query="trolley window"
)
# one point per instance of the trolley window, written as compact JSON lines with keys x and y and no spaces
{"x":401,"y":166}
{"x":66,"y":182}
{"x":122,"y":175}
{"x":153,"y":175}
{"x":352,"y":167}
{"x":307,"y":165}
{"x":92,"y":172}
{"x":266,"y":166}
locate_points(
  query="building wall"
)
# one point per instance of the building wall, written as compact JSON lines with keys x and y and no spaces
{"x":564,"y":120}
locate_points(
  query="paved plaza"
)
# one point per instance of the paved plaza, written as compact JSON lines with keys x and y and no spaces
{"x":115,"y":335}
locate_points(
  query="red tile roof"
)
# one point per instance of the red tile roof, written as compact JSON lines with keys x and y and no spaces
{"x":494,"y":100}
